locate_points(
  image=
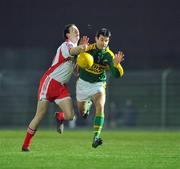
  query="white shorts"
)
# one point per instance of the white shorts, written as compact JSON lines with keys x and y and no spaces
{"x":85,"y":90}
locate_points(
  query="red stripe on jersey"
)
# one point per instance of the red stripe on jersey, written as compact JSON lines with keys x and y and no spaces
{"x":45,"y":85}
{"x":61,"y":59}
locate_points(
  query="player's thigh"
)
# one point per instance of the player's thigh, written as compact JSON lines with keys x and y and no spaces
{"x":99,"y":101}
{"x":81,"y":106}
{"x":66,"y":106}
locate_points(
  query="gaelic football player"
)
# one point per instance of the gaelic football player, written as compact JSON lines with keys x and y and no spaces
{"x":91,"y":85}
{"x":53,"y":86}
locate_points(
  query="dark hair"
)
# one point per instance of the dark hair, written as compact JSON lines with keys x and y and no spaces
{"x":66,"y":30}
{"x":104,"y":32}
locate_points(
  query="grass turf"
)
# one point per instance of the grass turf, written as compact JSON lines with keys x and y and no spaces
{"x":72,"y":150}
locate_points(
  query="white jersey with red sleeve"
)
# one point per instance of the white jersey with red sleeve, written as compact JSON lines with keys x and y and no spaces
{"x":62,"y":67}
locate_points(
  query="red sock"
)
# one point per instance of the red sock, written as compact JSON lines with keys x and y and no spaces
{"x":60,"y":116}
{"x":27,"y":141}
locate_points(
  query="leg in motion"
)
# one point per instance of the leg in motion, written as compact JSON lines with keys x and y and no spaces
{"x":67,"y":113}
{"x":40,"y":112}
{"x":99,"y":101}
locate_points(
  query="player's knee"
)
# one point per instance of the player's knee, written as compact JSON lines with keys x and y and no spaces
{"x":82,"y":111}
{"x":70,"y":116}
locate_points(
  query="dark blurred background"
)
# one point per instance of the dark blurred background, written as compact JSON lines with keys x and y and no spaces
{"x":149,"y":93}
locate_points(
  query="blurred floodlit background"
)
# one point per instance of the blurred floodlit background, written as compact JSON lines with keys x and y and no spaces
{"x":148,"y":96}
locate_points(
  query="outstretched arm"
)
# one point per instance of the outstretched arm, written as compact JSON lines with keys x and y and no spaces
{"x":118,"y":58}
{"x":84,"y":41}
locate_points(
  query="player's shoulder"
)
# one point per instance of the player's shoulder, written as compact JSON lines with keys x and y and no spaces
{"x":110,"y":52}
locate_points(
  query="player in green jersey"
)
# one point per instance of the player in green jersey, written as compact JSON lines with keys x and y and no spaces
{"x":92,"y":81}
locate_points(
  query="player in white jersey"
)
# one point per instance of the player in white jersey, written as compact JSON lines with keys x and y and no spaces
{"x":53,"y":86}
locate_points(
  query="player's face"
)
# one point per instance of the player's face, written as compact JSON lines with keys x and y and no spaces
{"x":102,"y":42}
{"x":74,"y":34}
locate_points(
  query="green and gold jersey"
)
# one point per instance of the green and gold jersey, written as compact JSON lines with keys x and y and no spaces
{"x":103,"y":61}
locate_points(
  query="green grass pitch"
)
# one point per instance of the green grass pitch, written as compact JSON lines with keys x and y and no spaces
{"x":72,"y":150}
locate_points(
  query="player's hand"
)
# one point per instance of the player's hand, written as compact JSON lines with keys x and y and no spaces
{"x":119,"y":57}
{"x":84,"y":42}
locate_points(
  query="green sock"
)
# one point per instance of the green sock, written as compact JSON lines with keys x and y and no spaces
{"x":98,"y":125}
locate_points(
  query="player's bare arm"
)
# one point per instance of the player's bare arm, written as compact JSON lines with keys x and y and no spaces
{"x":84,"y":41}
{"x":118,"y":58}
